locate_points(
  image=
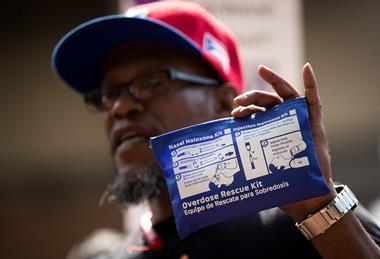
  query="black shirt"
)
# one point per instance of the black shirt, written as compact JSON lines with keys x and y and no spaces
{"x":268,"y":234}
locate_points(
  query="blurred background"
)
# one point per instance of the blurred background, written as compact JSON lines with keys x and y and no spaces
{"x":54,"y":162}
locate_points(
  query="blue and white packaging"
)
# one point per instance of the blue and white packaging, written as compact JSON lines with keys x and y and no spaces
{"x":229,"y":167}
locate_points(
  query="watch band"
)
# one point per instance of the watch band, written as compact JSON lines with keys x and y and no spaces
{"x":317,"y":223}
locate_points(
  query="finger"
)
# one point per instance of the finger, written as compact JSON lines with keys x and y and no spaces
{"x":258,"y":98}
{"x":315,"y":107}
{"x":243,"y":111}
{"x":282,"y":88}
{"x":312,"y":93}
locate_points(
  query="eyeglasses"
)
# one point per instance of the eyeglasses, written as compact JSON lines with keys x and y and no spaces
{"x":143,"y":88}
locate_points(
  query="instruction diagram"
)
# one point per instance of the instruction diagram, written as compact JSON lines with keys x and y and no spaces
{"x":272,"y":148}
{"x":198,"y":165}
{"x":285,"y":152}
{"x":251,"y":157}
{"x":224,"y":174}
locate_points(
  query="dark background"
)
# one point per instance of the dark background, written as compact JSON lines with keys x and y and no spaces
{"x":54,"y":161}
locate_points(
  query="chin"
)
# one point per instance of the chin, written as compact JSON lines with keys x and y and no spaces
{"x":134,"y":183}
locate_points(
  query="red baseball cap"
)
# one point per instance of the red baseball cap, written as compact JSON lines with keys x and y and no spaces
{"x":78,"y":58}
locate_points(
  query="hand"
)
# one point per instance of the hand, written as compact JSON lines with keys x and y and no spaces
{"x":294,"y":151}
{"x":256,"y":101}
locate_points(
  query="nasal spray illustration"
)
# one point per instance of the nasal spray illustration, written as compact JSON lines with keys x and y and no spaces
{"x":229,"y":167}
{"x":224,"y":174}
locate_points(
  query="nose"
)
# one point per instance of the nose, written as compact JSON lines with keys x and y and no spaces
{"x":126,"y":107}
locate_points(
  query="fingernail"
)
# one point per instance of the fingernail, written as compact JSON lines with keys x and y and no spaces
{"x":308,"y":65}
{"x":240,"y":97}
{"x":236,"y":110}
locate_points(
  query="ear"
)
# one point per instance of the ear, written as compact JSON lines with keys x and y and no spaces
{"x":224,"y":99}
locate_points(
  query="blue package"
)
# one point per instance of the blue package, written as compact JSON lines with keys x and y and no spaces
{"x":229,"y":167}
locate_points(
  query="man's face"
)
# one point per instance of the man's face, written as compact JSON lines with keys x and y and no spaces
{"x":130,"y":123}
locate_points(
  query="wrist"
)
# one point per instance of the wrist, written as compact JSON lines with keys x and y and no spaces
{"x":300,"y":210}
{"x":317,"y":223}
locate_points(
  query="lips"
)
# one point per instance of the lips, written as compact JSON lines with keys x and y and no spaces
{"x":126,"y":137}
{"x":131,"y":143}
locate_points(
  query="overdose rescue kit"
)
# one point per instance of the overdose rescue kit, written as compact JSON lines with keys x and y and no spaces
{"x":229,"y":167}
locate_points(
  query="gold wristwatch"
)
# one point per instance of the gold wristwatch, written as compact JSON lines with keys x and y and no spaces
{"x":317,"y":223}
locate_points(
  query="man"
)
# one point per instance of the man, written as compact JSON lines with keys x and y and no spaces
{"x":125,"y":66}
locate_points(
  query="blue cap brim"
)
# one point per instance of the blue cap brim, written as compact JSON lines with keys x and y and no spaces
{"x":79,"y":56}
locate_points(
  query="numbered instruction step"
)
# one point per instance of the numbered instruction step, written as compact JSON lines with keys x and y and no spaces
{"x":212,"y":161}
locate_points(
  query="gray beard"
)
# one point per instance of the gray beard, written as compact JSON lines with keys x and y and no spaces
{"x":137,"y":186}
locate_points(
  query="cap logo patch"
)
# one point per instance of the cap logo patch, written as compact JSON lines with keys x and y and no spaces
{"x":137,"y":12}
{"x":217,"y":49}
